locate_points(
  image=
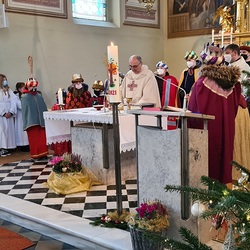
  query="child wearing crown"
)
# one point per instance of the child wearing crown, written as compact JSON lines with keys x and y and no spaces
{"x":217,"y":92}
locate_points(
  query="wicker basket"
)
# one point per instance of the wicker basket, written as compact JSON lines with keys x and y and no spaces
{"x":141,"y":242}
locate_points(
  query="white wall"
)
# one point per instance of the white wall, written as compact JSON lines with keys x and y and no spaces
{"x":60,"y":48}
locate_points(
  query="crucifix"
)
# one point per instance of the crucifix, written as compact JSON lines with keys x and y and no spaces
{"x":132,"y":85}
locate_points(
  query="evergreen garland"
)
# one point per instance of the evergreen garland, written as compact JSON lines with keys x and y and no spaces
{"x":232,"y":205}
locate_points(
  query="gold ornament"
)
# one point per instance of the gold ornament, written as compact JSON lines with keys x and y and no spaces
{"x":226,"y":19}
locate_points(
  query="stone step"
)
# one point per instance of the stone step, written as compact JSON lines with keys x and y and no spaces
{"x":62,"y":226}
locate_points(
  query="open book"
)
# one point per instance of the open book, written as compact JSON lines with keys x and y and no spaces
{"x":175,"y":109}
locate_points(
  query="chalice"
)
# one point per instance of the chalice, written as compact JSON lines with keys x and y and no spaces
{"x":129,"y":100}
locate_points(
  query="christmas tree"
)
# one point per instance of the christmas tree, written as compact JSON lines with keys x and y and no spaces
{"x":232,"y":205}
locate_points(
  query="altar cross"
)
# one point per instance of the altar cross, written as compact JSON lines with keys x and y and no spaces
{"x":132,"y":85}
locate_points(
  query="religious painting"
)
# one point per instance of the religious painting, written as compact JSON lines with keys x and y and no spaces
{"x":53,"y":8}
{"x":194,"y":17}
{"x":136,"y":14}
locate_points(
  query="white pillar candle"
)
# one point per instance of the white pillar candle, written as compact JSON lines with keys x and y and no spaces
{"x":222,"y":38}
{"x":231,"y":35}
{"x":113,"y":73}
{"x":212,"y":35}
{"x":60,"y":96}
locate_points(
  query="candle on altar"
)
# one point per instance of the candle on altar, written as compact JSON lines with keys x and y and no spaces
{"x":222,"y":38}
{"x":231,"y":35}
{"x":60,"y":96}
{"x":212,"y":35}
{"x":113,"y":73}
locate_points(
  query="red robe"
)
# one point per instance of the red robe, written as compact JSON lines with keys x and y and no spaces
{"x":209,"y":98}
{"x":168,"y":93}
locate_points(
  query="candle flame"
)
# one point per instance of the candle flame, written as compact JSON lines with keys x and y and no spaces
{"x":112,"y":44}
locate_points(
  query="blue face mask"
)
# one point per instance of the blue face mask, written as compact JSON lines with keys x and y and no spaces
{"x":5,"y":83}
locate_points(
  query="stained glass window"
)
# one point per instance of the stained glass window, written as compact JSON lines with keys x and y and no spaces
{"x":89,"y":9}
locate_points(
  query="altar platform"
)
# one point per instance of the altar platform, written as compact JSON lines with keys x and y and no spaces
{"x":25,"y":202}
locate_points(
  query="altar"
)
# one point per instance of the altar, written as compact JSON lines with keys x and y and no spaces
{"x":173,"y":157}
{"x":91,"y":133}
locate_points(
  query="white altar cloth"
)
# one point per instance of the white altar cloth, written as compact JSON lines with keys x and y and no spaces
{"x":57,"y":124}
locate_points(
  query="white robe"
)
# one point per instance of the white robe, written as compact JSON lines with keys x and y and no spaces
{"x":241,"y":63}
{"x":142,"y":87}
{"x":21,"y":136}
{"x":7,"y":127}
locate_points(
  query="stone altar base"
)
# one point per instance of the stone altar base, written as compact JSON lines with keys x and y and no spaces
{"x":87,"y":140}
{"x":159,"y":164}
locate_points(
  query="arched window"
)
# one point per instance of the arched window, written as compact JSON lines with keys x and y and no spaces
{"x":90,"y":9}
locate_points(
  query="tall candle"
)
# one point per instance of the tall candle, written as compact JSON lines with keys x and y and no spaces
{"x":212,"y":35}
{"x":60,"y":96}
{"x":222,"y":38}
{"x":113,"y":73}
{"x":231,"y":35}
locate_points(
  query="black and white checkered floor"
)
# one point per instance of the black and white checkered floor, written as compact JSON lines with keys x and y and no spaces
{"x":25,"y":180}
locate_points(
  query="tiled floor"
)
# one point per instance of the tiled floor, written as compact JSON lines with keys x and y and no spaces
{"x":41,"y":242}
{"x":25,"y":180}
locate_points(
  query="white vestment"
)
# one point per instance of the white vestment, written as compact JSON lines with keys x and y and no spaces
{"x":7,"y":127}
{"x":142,"y":87}
{"x":21,"y":136}
{"x":241,"y":63}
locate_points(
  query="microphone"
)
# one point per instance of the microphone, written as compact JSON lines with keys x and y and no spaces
{"x":184,"y":107}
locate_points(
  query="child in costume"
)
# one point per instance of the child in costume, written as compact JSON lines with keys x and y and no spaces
{"x":98,"y":97}
{"x":78,"y":95}
{"x":33,"y":106}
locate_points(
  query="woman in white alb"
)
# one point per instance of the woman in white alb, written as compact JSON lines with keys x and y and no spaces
{"x":21,"y":135}
{"x":7,"y":113}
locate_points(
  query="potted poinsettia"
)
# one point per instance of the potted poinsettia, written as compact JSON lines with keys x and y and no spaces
{"x":151,"y":217}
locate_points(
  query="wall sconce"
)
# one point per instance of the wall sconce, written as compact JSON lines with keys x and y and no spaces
{"x":148,"y":4}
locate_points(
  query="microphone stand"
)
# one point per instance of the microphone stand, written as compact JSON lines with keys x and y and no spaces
{"x":184,"y":107}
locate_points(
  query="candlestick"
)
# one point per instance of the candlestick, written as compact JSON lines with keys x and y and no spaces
{"x":114,"y":85}
{"x":231,"y":35}
{"x":222,"y":38}
{"x":212,"y":35}
{"x":60,"y":96}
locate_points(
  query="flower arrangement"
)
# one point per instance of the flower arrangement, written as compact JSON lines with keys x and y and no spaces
{"x":151,"y":216}
{"x":113,"y":220}
{"x":68,"y":163}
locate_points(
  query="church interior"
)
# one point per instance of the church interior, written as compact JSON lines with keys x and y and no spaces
{"x":61,"y":45}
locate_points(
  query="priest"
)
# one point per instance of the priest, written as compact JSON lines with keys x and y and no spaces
{"x":140,"y":84}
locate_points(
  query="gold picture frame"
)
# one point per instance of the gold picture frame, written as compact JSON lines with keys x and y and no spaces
{"x":55,"y":8}
{"x":136,"y":14}
{"x":193,"y":17}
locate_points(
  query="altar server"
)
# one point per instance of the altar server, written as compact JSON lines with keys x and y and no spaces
{"x":33,"y":106}
{"x":21,"y":135}
{"x":140,"y":84}
{"x":7,"y":113}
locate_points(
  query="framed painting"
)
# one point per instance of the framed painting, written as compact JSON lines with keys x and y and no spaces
{"x":136,"y":14}
{"x":193,"y":17}
{"x":54,"y":8}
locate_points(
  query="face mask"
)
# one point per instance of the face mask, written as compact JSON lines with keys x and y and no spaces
{"x":5,"y":83}
{"x":78,"y":86}
{"x":228,"y":58}
{"x":190,"y":64}
{"x":160,"y":71}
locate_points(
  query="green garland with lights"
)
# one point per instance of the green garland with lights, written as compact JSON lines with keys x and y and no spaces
{"x":232,"y":205}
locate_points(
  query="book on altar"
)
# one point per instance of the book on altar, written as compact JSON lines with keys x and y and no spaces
{"x":175,"y":109}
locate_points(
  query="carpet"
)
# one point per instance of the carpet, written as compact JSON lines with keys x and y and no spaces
{"x":12,"y":241}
